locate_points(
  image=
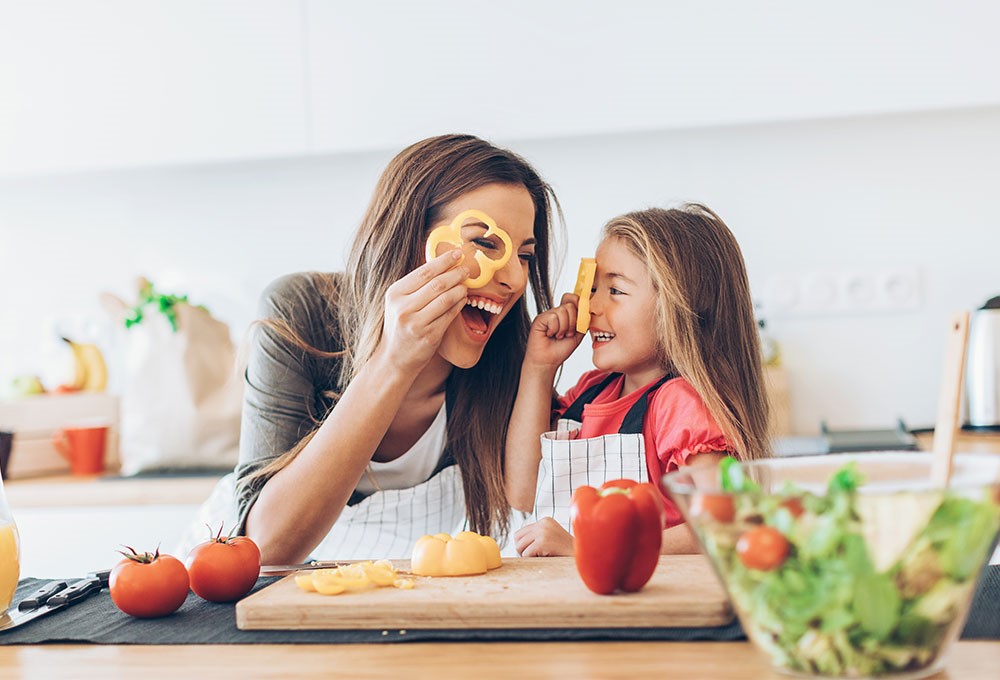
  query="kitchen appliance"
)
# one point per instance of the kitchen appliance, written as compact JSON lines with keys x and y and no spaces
{"x":982,"y":369}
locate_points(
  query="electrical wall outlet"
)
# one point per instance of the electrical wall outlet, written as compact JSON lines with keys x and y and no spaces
{"x":846,"y":292}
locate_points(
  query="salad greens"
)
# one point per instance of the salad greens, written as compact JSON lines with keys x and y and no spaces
{"x":872,"y":584}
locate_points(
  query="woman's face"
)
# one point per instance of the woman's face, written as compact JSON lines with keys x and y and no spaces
{"x":512,"y":209}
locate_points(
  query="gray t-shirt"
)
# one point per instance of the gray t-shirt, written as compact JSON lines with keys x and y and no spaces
{"x":289,"y":390}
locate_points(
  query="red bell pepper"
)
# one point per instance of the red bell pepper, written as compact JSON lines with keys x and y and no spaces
{"x":617,"y":532}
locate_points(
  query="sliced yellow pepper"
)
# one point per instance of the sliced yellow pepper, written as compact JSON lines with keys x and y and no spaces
{"x":351,"y":578}
{"x":466,"y":554}
{"x":584,"y":284}
{"x":452,"y":233}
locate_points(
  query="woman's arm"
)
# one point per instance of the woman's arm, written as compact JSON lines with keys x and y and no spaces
{"x":298,"y":505}
{"x":551,"y":340}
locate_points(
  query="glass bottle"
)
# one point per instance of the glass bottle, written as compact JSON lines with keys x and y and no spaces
{"x":10,"y":552}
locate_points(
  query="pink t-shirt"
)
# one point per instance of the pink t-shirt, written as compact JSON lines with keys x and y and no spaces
{"x":677,"y":424}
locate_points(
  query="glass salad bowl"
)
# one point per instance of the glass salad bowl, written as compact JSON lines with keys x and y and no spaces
{"x":846,"y":566}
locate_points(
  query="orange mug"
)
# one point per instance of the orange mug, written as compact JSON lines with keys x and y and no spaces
{"x":83,"y":446}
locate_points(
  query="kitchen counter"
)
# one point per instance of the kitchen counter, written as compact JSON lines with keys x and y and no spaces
{"x":690,"y":660}
{"x":63,"y":491}
{"x":967,"y":441}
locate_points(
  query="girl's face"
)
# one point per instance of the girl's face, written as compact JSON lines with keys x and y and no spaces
{"x":512,"y":209}
{"x":622,"y":315}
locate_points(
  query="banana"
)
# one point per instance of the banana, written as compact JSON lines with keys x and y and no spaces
{"x":79,"y":368}
{"x":90,"y":373}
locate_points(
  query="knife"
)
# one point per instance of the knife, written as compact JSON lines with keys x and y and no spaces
{"x":273,"y":569}
{"x":51,"y":597}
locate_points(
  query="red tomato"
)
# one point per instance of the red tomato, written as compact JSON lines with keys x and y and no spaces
{"x":224,"y":569}
{"x":147,"y":585}
{"x":718,"y":506}
{"x":763,"y":548}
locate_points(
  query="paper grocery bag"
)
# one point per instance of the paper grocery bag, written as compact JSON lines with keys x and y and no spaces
{"x":181,"y":394}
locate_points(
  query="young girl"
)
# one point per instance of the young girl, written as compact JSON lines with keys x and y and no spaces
{"x":678,"y":379}
{"x":377,"y":400}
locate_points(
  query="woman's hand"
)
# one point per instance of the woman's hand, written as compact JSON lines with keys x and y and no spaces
{"x":420,"y":307}
{"x":553,"y":337}
{"x":544,"y":538}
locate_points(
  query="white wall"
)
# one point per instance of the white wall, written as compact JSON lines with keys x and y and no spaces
{"x":912,"y":190}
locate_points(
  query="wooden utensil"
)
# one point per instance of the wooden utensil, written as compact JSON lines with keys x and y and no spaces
{"x":537,"y":592}
{"x":949,"y":400}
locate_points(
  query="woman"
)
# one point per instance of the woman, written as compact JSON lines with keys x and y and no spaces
{"x":377,"y":399}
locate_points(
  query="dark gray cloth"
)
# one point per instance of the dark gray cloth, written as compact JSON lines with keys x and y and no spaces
{"x":97,"y":620}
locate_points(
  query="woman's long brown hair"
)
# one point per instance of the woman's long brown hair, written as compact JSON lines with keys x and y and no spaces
{"x":705,"y":316}
{"x":389,"y":243}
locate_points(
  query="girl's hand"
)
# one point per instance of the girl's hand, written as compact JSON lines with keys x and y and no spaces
{"x":544,"y":538}
{"x":553,"y":337}
{"x":420,"y":307}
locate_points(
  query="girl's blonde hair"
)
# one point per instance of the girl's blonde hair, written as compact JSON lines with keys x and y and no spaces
{"x":408,"y":200}
{"x":705,"y":319}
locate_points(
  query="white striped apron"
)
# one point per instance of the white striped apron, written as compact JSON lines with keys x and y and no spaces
{"x":569,"y":462}
{"x":385,"y":525}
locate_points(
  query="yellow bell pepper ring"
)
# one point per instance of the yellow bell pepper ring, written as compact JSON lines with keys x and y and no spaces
{"x":452,"y":233}
{"x":584,"y":284}
{"x":467,"y":554}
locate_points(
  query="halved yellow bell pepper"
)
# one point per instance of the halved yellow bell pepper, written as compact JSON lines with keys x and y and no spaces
{"x":466,"y":554}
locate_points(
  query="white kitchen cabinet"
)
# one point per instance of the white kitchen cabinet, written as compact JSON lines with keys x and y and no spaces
{"x":382,"y":75}
{"x":90,"y":85}
{"x":71,"y":525}
{"x":70,"y":542}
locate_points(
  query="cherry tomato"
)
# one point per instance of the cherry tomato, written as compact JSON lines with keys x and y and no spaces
{"x":794,"y":506}
{"x":763,"y":548}
{"x":224,"y":569}
{"x":147,"y":585}
{"x":718,"y":506}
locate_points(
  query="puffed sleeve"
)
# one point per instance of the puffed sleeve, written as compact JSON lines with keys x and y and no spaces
{"x":682,"y":425}
{"x":283,"y":382}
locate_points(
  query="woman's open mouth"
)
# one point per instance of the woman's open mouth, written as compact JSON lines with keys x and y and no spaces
{"x":478,"y":315}
{"x":601,"y":336}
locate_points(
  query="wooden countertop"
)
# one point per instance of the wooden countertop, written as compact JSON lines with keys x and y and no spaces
{"x":90,"y":491}
{"x":578,"y":660}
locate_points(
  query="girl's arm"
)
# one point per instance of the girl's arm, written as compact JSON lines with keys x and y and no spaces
{"x":679,"y":539}
{"x":529,"y":419}
{"x":551,"y":340}
{"x":298,"y":505}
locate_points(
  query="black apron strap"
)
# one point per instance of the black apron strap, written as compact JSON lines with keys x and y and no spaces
{"x":637,"y":414}
{"x":575,"y":410}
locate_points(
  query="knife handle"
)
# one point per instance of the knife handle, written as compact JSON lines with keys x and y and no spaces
{"x":41,"y":596}
{"x":75,"y":592}
{"x":103,"y":576}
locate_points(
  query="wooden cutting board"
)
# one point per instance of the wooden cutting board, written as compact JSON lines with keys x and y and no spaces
{"x":543,"y":592}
